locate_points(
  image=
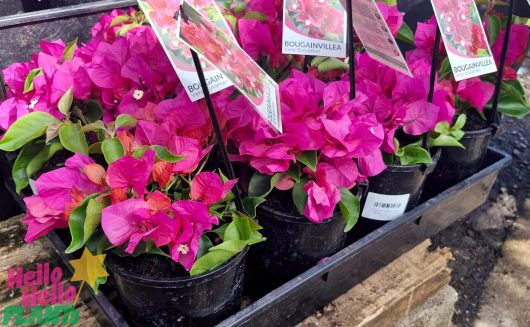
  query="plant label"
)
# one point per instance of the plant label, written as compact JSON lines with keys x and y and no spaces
{"x":224,"y":53}
{"x":375,"y":35}
{"x":162,"y":17}
{"x":464,"y":38}
{"x":384,"y":207}
{"x":314,"y":28}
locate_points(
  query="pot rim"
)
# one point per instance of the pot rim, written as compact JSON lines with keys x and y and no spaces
{"x":298,"y":219}
{"x":395,"y":168}
{"x":479,"y":132}
{"x":173,"y":282}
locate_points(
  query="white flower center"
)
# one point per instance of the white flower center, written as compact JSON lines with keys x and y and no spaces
{"x":294,"y":6}
{"x":183,"y":248}
{"x":33,"y":102}
{"x":138,"y":94}
{"x":308,"y":22}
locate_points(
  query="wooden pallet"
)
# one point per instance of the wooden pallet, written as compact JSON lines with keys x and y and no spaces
{"x":14,"y":252}
{"x":390,"y":293}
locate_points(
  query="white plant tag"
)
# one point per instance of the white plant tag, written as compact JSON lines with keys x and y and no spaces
{"x":384,"y":207}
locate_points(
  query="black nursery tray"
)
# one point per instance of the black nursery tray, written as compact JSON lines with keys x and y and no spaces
{"x":318,"y":286}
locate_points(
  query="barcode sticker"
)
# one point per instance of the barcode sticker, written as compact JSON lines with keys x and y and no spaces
{"x":385,"y":207}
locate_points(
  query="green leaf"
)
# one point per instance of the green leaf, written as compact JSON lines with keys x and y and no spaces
{"x":46,"y":153}
{"x":164,"y":154}
{"x":28,"y":152}
{"x":255,"y":15}
{"x":512,"y":101}
{"x":494,"y":28}
{"x":205,"y":244}
{"x":261,"y":185}
{"x":76,"y":222}
{"x":300,"y":196}
{"x":238,"y":229}
{"x":406,"y":34}
{"x":65,"y":103}
{"x":139,"y":153}
{"x":52,"y":131}
{"x":445,"y":140}
{"x":95,"y":148}
{"x":209,"y":261}
{"x":308,"y":158}
{"x":73,"y":139}
{"x":125,"y":120}
{"x":120,"y":19}
{"x":93,"y":216}
{"x":234,"y":246}
{"x":68,"y":53}
{"x":414,"y":155}
{"x":294,"y":172}
{"x":112,"y":150}
{"x":126,"y":28}
{"x":350,"y":207}
{"x":445,"y":70}
{"x":460,"y":122}
{"x":26,"y":129}
{"x":443,"y":127}
{"x":93,"y":111}
{"x":331,"y":64}
{"x":98,"y":243}
{"x":251,"y":203}
{"x":93,"y":127}
{"x":28,"y":83}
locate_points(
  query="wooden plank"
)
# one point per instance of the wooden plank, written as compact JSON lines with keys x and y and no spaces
{"x":390,"y":293}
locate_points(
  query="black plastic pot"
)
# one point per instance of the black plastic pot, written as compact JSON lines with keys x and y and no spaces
{"x":457,"y":164}
{"x":396,"y":190}
{"x":294,"y":244}
{"x":201,"y":300}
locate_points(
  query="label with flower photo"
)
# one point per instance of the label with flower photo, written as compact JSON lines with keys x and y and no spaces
{"x":314,"y":28}
{"x":384,"y":207}
{"x":162,"y":17}
{"x":375,"y":35}
{"x":464,"y":38}
{"x":224,"y":53}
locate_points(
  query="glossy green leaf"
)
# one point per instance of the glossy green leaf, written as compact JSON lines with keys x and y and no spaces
{"x":460,"y":122}
{"x":251,"y":203}
{"x":120,"y":19}
{"x":73,"y":139}
{"x":209,"y":261}
{"x":65,"y":102}
{"x":163,"y":153}
{"x":76,"y":222}
{"x":93,"y":216}
{"x":69,"y":51}
{"x":112,"y":150}
{"x":93,"y":127}
{"x":494,"y":28}
{"x":308,"y":158}
{"x":26,"y":129}
{"x":331,"y":64}
{"x":445,"y":140}
{"x":124,"y":120}
{"x":46,"y":153}
{"x":350,"y":207}
{"x":28,"y":83}
{"x":93,"y":111}
{"x":445,"y":70}
{"x":406,"y":34}
{"x":413,"y":155}
{"x":300,"y":196}
{"x":261,"y":185}
{"x":234,"y":246}
{"x":28,"y":152}
{"x":205,"y":244}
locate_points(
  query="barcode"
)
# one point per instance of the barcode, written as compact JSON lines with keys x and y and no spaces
{"x":387,"y":205}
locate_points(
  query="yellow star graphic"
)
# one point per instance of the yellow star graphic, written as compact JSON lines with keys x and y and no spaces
{"x":88,"y":269}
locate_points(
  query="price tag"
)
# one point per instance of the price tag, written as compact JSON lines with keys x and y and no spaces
{"x":224,"y":53}
{"x":314,"y":28}
{"x":465,"y":41}
{"x":161,"y":16}
{"x":375,"y":35}
{"x":384,"y":207}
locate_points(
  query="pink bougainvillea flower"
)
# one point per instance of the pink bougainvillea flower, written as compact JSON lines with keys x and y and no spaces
{"x":475,"y":91}
{"x":421,"y":117}
{"x":11,"y":110}
{"x":150,"y":133}
{"x":255,"y":38}
{"x":372,"y":164}
{"x":41,"y":219}
{"x":392,"y":16}
{"x":55,"y":187}
{"x":163,"y":173}
{"x":191,"y":150}
{"x":132,"y":221}
{"x":321,"y":202}
{"x":340,"y":172}
{"x":193,"y":219}
{"x":268,"y":159}
{"x":208,"y":188}
{"x":158,"y":201}
{"x":129,"y":172}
